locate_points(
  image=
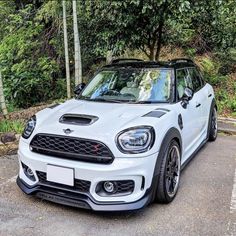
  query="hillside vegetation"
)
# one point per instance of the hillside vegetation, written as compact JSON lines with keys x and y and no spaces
{"x":32,"y":57}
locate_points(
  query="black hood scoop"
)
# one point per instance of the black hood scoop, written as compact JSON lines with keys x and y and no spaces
{"x":78,"y":119}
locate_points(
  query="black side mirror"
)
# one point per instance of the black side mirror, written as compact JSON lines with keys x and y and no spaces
{"x":79,"y":88}
{"x":188,"y":95}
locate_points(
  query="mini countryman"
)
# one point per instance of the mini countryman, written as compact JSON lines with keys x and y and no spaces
{"x":123,"y":141}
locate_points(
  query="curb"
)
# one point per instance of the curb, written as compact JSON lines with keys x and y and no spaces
{"x":227,"y":125}
{"x":227,"y":131}
{"x":227,"y":120}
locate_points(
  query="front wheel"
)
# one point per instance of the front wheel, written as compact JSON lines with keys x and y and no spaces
{"x":169,"y":176}
{"x":213,"y":125}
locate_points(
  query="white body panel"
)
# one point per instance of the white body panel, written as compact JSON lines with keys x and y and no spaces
{"x":114,"y":118}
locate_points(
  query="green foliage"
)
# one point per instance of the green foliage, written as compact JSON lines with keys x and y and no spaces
{"x":16,"y":126}
{"x":132,"y":24}
{"x":32,"y":52}
{"x":28,"y":70}
{"x":226,"y":103}
{"x":210,"y":69}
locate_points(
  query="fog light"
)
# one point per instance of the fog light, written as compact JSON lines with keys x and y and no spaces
{"x":29,"y":172}
{"x":109,"y":187}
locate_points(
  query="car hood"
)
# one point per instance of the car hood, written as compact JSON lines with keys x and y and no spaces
{"x":111,"y":118}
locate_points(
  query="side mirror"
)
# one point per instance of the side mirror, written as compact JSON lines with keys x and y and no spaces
{"x":79,"y":88}
{"x":188,"y":95}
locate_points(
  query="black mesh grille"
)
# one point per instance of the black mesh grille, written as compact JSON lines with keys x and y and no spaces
{"x":125,"y":186}
{"x":71,"y":148}
{"x":79,"y":185}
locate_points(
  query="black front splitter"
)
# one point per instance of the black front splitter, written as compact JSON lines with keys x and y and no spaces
{"x":65,"y":197}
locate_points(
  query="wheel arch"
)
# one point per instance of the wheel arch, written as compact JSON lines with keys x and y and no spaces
{"x":214,"y":101}
{"x":172,"y":134}
{"x":213,"y":105}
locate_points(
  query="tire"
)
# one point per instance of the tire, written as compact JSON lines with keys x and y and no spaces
{"x":213,"y":125}
{"x":169,"y":175}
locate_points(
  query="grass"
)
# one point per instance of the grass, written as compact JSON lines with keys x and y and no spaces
{"x":16,"y":126}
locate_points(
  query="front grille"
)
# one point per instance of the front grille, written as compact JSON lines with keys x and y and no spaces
{"x":125,"y":186}
{"x":79,"y":184}
{"x":71,"y":148}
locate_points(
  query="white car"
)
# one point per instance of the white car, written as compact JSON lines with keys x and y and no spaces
{"x":122,"y":142}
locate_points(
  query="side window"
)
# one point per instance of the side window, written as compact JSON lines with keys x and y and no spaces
{"x":200,"y":76}
{"x":196,"y":79}
{"x":182,"y":81}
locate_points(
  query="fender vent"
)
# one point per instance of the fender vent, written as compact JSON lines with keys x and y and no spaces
{"x":75,"y":119}
{"x":159,"y":112}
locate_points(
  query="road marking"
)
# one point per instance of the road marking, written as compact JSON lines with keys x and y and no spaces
{"x":11,"y":180}
{"x":233,"y":196}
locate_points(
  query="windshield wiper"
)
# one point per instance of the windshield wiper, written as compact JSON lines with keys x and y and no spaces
{"x":106,"y":100}
{"x":118,"y":101}
{"x":141,"y":102}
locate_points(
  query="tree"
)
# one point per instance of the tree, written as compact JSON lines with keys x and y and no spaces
{"x":2,"y":97}
{"x":214,"y":24}
{"x":78,"y":62}
{"x":29,"y":59}
{"x":66,"y":50}
{"x":135,"y":24}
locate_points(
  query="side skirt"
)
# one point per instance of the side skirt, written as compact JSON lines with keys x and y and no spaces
{"x":193,"y":154}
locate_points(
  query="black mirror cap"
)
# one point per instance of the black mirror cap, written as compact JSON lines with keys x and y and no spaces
{"x":188,"y":94}
{"x":79,"y":88}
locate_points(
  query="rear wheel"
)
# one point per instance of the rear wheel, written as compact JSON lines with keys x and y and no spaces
{"x":169,"y":176}
{"x":213,"y":125}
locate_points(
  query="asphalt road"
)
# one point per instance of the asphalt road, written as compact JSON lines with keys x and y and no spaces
{"x":204,"y":204}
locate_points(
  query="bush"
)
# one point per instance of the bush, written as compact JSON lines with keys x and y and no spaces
{"x":16,"y":126}
{"x":29,"y":71}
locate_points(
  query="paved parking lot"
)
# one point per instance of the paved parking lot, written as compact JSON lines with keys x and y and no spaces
{"x":205,"y":204}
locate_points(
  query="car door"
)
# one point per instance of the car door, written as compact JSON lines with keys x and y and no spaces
{"x":189,"y":115}
{"x":201,"y":99}
{"x":207,"y":94}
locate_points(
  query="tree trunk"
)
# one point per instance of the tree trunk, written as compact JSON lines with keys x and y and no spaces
{"x":78,"y":63}
{"x":159,"y":41}
{"x":151,"y":53}
{"x":2,"y":98}
{"x":160,"y":30}
{"x":109,"y":55}
{"x":66,"y":51}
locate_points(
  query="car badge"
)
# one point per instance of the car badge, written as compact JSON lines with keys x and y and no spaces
{"x":68,"y":131}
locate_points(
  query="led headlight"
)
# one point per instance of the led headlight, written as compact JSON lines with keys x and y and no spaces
{"x":136,"y":139}
{"x":29,"y":128}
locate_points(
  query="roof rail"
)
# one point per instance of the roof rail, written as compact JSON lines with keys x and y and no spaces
{"x":179,"y":60}
{"x":125,"y":60}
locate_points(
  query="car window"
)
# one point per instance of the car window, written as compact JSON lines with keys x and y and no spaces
{"x":196,"y":79}
{"x":183,"y":80}
{"x":131,"y":85}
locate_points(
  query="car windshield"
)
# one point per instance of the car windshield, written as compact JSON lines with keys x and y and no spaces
{"x":127,"y":85}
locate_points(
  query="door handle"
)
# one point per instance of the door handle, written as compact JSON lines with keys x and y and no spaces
{"x":198,"y":105}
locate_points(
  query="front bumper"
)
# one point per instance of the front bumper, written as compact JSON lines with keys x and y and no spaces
{"x":139,"y":170}
{"x":65,"y":197}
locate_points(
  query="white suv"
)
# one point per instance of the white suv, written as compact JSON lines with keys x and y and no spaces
{"x":122,"y":142}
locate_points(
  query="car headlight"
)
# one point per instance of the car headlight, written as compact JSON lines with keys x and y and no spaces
{"x":29,"y":128}
{"x":136,"y":139}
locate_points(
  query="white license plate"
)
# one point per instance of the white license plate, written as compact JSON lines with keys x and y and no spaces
{"x":60,"y":175}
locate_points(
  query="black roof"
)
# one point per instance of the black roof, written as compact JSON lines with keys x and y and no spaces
{"x":137,"y":63}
